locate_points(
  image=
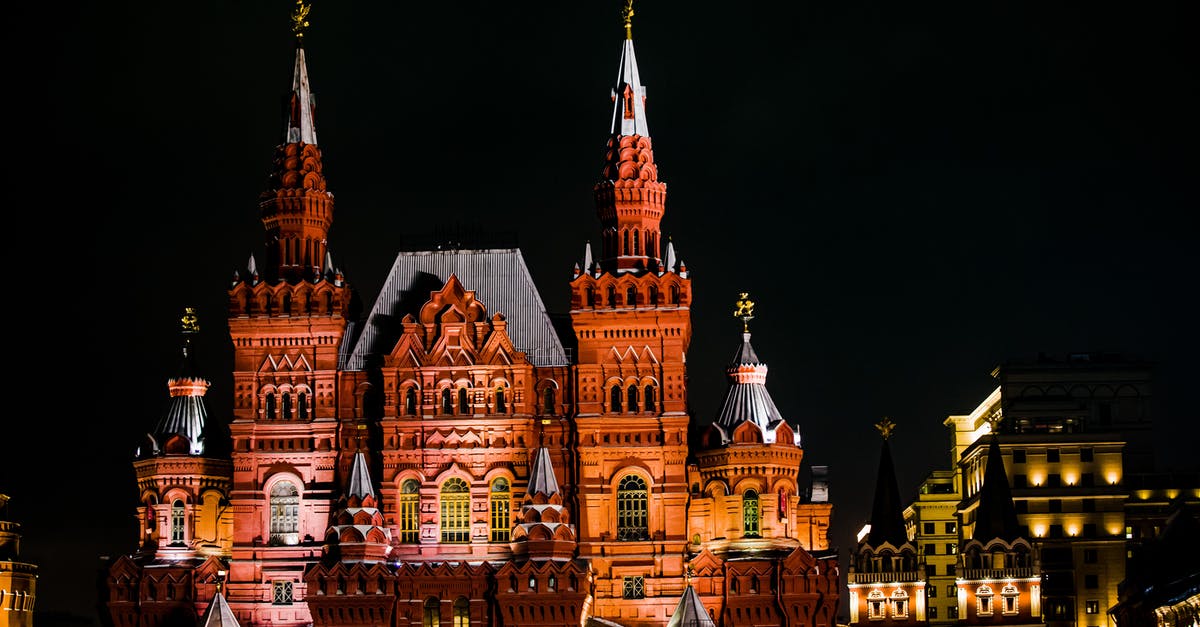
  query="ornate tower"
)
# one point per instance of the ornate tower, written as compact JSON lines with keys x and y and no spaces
{"x":286,"y":326}
{"x":760,"y":555}
{"x":185,"y":526}
{"x":18,"y":580}
{"x":885,"y":587}
{"x":630,"y":314}
{"x":999,"y":580}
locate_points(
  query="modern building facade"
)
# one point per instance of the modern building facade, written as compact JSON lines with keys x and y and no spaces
{"x":443,"y":459}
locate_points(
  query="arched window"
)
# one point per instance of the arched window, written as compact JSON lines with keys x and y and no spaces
{"x":615,"y":402}
{"x":636,"y":241}
{"x":750,"y":526}
{"x":410,"y":402}
{"x":302,"y":406}
{"x":631,"y":297}
{"x":674,"y":294}
{"x":287,"y":305}
{"x":632,"y":394}
{"x":447,"y":402}
{"x":270,"y":407}
{"x":631,"y":508}
{"x":589,"y":294}
{"x":464,"y":406}
{"x":432,"y":615}
{"x":285,"y":513}
{"x":624,"y":242}
{"x":548,"y":400}
{"x":612,"y":296}
{"x":501,"y":407}
{"x":462,"y":612}
{"x":287,"y":406}
{"x":456,"y":511}
{"x":649,"y":396}
{"x":500,"y":505}
{"x":410,"y":502}
{"x":177,"y":522}
{"x":652,"y":298}
{"x":552,"y":583}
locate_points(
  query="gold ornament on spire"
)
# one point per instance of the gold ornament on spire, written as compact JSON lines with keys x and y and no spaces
{"x":744,"y":311}
{"x":189,"y":322}
{"x":627,"y":16}
{"x":300,"y":19}
{"x":885,"y":427}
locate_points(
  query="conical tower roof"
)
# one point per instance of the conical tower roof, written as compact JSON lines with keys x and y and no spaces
{"x":541,"y":477}
{"x":690,"y":612}
{"x":887,"y":511}
{"x":360,"y":479}
{"x":747,"y":399}
{"x":185,"y":414}
{"x":996,"y":516}
{"x":219,"y":614}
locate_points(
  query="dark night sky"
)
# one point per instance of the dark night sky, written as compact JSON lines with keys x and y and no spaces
{"x":911,"y":192}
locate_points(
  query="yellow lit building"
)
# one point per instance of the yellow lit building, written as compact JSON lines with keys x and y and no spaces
{"x":932,"y":522}
{"x":18,"y":580}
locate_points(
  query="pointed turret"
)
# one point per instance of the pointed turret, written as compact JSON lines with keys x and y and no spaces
{"x":181,"y":429}
{"x":690,"y":612}
{"x":996,"y":516}
{"x":748,"y":400}
{"x":219,"y":613}
{"x":630,"y":199}
{"x":543,"y":529}
{"x":360,"y":479}
{"x":358,"y":533}
{"x":887,"y":511}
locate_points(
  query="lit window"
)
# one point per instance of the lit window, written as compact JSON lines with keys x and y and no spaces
{"x":456,"y":511}
{"x":285,"y":513}
{"x":951,"y":548}
{"x":1092,"y":606}
{"x":633,"y":588}
{"x":432,"y":615}
{"x":951,"y":527}
{"x":462,"y":612}
{"x":875,"y":605}
{"x":281,"y":593}
{"x":899,"y":604}
{"x":177,"y":522}
{"x":952,"y":612}
{"x":500,"y":506}
{"x":631,"y":508}
{"x":409,"y":505}
{"x":750,"y":513}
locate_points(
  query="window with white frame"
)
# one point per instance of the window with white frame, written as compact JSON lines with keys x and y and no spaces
{"x":1009,"y":600}
{"x":983,"y":600}
{"x":875,"y":603}
{"x":285,"y":513}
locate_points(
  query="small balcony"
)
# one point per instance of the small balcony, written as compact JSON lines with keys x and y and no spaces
{"x":885,"y":577}
{"x":997,"y":573}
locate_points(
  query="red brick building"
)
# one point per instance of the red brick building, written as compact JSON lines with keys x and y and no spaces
{"x":443,"y":459}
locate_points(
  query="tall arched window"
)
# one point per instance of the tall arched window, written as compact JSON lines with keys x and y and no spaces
{"x":589,"y":294}
{"x":624,"y":242}
{"x":432,"y":615}
{"x":410,"y":502}
{"x":631,"y":297}
{"x":287,"y":406}
{"x":270,"y":407}
{"x":285,"y":513}
{"x":615,"y":401}
{"x":652,"y":299}
{"x":674,"y":294}
{"x":464,"y":406}
{"x":456,"y":511}
{"x":636,"y":241}
{"x":612,"y":296}
{"x":177,"y":522}
{"x":633,"y":398}
{"x":750,"y":526}
{"x":631,"y":509}
{"x":329,"y":303}
{"x":447,"y":402}
{"x":500,"y":505}
{"x":302,"y":406}
{"x":501,"y":406}
{"x":410,"y":402}
{"x":462,"y":612}
{"x":649,"y":397}
{"x":548,"y":400}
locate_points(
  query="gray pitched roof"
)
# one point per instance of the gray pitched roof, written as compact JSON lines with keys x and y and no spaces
{"x":500,"y":280}
{"x":541,"y":478}
{"x":360,"y":479}
{"x":690,"y":612}
{"x":219,"y":614}
{"x":748,"y":399}
{"x":185,"y":415}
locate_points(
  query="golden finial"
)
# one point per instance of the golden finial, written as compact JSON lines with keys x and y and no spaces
{"x":189,"y":322}
{"x":885,"y":426}
{"x":300,"y":19}
{"x":744,"y":311}
{"x":627,"y":15}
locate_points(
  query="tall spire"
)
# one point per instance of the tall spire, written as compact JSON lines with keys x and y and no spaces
{"x":219,"y":614}
{"x":297,"y":210}
{"x":996,"y":516}
{"x":690,"y":611}
{"x":887,"y":513}
{"x":186,"y":414}
{"x":630,"y":199}
{"x":360,"y":479}
{"x":748,"y":399}
{"x":541,"y":478}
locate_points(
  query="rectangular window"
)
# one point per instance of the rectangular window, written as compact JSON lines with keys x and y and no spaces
{"x":1052,"y":455}
{"x":899,"y":608}
{"x":281,"y":593}
{"x":1055,"y":506}
{"x":952,"y":612}
{"x":1085,"y":454}
{"x":951,"y":548}
{"x":1018,"y":456}
{"x":929,"y":529}
{"x":633,"y":588}
{"x":875,"y":610}
{"x":931,"y":571}
{"x":951,"y":590}
{"x":951,"y":527}
{"x":931,"y":611}
{"x":931,"y":549}
{"x":1090,"y":556}
{"x":1054,"y":480}
{"x":931,"y":592}
{"x":1092,"y":607}
{"x":409,"y":527}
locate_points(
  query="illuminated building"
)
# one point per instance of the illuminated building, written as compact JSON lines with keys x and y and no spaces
{"x":932,"y":523}
{"x":18,"y":580}
{"x":886,"y":587}
{"x":443,"y":459}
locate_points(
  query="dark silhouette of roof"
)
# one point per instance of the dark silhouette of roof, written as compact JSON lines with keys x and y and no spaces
{"x":887,"y":512}
{"x":996,"y":516}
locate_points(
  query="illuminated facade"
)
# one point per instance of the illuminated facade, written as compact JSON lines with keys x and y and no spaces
{"x":18,"y":580}
{"x":442,"y":459}
{"x":886,"y":587}
{"x":932,"y":523}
